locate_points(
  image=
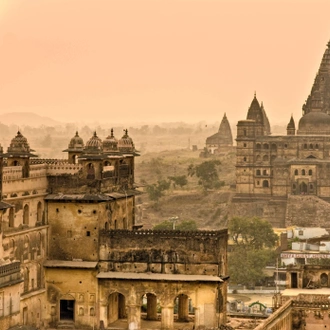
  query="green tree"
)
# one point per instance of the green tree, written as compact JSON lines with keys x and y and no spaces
{"x":185,"y":225}
{"x":156,"y":191}
{"x":207,"y":174}
{"x":165,"y":225}
{"x":246,"y":266}
{"x":180,"y":180}
{"x":253,"y":249}
{"x":253,"y":232}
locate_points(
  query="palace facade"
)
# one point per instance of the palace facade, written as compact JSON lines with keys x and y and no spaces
{"x":72,"y":255}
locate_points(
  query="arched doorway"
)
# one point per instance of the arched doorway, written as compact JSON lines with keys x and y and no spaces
{"x":182,"y":308}
{"x":150,"y":307}
{"x":116,"y":307}
{"x":324,"y":280}
{"x":11,"y":217}
{"x":303,"y":188}
{"x":67,"y":308}
{"x":26,"y":215}
{"x":90,"y":171}
{"x":39,"y":212}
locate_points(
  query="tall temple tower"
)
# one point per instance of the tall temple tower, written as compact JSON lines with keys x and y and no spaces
{"x":319,"y":98}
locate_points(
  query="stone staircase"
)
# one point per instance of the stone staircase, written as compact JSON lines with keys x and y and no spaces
{"x":67,"y":324}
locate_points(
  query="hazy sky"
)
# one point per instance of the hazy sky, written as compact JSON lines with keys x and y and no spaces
{"x":159,"y":60}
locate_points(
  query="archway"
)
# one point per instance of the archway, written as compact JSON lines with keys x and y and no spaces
{"x":26,"y":215}
{"x":303,"y":188}
{"x":39,"y":212}
{"x":67,"y":307}
{"x":150,"y":307}
{"x":324,"y":280}
{"x":11,"y":217}
{"x":182,"y":308}
{"x":116,"y":307}
{"x":90,"y":171}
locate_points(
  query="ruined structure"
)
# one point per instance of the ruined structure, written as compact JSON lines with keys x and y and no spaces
{"x":71,"y":252}
{"x":221,"y":141}
{"x":272,"y":169}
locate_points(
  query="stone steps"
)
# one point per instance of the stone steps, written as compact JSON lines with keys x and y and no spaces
{"x":65,"y":325}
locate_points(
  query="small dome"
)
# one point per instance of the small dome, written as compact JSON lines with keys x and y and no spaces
{"x":110,"y":144}
{"x":314,"y":123}
{"x":125,"y":144}
{"x":94,"y":144}
{"x":19,"y":144}
{"x":76,"y":142}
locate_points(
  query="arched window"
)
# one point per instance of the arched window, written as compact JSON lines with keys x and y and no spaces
{"x":244,"y":132}
{"x":311,"y":146}
{"x":295,"y":172}
{"x":90,"y":171}
{"x":305,"y":146}
{"x":11,"y":217}
{"x":274,"y":147}
{"x":26,"y":215}
{"x":244,"y":159}
{"x":265,"y":158}
{"x":74,"y":159}
{"x":39,"y":244}
{"x":264,"y":172}
{"x":39,"y":212}
{"x":316,"y":146}
{"x":244,"y":145}
{"x":258,"y":172}
{"x":310,"y":172}
{"x":258,"y":158}
{"x":266,"y":146}
{"x":265,"y":184}
{"x":258,"y":146}
{"x":303,"y":172}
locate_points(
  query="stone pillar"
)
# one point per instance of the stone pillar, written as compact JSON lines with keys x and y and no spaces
{"x":197,"y":317}
{"x":134,"y":317}
{"x":104,"y":314}
{"x":151,"y":307}
{"x":183,"y":308}
{"x":167,"y":318}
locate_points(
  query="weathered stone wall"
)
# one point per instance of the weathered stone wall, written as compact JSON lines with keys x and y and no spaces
{"x":307,"y":211}
{"x":169,"y":252}
{"x":75,"y":284}
{"x":295,"y":210}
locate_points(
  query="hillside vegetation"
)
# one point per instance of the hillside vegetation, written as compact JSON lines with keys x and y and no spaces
{"x":208,"y":209}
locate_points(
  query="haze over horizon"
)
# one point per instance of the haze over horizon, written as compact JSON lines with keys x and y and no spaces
{"x":159,"y":61}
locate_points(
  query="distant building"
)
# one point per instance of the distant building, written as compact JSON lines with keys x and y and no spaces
{"x":221,"y":141}
{"x":270,"y":169}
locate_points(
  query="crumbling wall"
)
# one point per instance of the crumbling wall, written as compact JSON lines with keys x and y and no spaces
{"x":307,"y":211}
{"x":169,"y":252}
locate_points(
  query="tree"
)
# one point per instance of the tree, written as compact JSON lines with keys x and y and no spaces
{"x":253,"y":249}
{"x":184,"y":225}
{"x":187,"y":225}
{"x":180,"y":180}
{"x":253,"y":232}
{"x":246,"y":266}
{"x":207,"y":173}
{"x":155,"y":191}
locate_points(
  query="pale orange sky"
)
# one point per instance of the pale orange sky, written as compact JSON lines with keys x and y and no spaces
{"x":159,"y":60}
